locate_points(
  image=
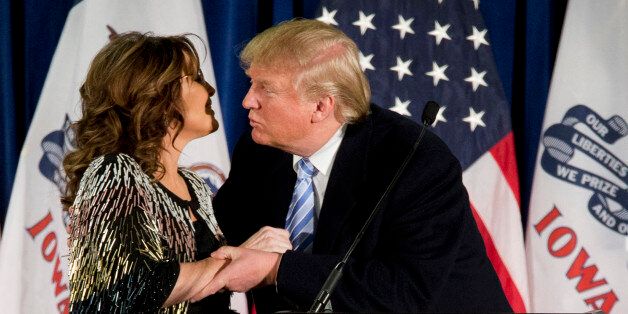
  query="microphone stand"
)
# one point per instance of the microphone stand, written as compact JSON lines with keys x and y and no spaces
{"x":429,"y":113}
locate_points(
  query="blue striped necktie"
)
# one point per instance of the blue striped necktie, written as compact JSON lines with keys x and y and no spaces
{"x":300,"y":219}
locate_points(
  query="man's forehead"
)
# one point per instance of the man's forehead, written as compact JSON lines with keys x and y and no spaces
{"x":269,"y":74}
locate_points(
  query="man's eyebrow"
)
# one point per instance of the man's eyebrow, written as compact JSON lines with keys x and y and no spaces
{"x":265,"y":83}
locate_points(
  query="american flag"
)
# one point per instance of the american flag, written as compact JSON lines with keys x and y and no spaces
{"x":414,"y":51}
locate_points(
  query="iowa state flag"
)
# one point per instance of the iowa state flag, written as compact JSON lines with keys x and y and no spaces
{"x":577,"y":238}
{"x":33,"y":251}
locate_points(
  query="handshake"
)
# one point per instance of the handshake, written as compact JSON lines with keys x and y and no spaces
{"x":252,"y":264}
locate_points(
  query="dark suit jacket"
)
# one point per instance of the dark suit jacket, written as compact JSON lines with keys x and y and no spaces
{"x":422,"y":252}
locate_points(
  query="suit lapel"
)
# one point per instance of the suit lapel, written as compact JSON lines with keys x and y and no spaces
{"x":345,"y":182}
{"x":279,"y":191}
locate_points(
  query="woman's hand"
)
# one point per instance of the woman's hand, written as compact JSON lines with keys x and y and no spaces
{"x":269,"y":239}
{"x":193,"y":280}
{"x":246,"y":269}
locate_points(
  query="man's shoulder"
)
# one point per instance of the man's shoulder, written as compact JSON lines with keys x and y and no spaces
{"x":390,"y":129}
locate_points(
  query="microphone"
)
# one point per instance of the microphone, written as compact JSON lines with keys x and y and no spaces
{"x":429,"y":113}
{"x":427,"y":117}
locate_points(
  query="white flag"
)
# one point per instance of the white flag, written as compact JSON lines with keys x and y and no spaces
{"x":33,"y":251}
{"x":577,"y":247}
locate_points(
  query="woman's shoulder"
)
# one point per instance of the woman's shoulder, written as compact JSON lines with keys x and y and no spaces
{"x":118,"y":176}
{"x":114,"y":159}
{"x":114,"y":165}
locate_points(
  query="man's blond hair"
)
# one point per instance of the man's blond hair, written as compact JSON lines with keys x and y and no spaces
{"x":324,"y":59}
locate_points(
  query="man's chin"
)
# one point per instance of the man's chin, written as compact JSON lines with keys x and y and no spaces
{"x":259,"y":138}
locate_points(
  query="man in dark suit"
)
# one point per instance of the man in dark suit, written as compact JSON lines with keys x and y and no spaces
{"x":318,"y":159}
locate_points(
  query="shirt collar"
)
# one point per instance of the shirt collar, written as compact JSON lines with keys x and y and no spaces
{"x":323,"y":158}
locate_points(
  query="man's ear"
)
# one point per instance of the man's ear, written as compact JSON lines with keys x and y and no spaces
{"x":325,"y":107}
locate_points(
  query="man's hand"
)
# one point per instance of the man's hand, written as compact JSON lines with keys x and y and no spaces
{"x":269,"y":239}
{"x":247,"y":269}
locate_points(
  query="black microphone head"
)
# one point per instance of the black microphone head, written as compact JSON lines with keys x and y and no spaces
{"x":429,"y":113}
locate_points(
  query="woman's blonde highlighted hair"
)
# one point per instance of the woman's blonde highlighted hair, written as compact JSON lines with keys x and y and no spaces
{"x":324,"y":59}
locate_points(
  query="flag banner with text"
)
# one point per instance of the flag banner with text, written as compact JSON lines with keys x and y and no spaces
{"x":33,"y":251}
{"x":577,"y":239}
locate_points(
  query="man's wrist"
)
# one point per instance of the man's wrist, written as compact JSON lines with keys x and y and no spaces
{"x":271,"y":279}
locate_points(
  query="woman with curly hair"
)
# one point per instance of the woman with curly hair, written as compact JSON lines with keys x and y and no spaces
{"x":142,"y":229}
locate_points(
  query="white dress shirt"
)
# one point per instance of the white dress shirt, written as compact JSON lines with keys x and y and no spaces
{"x":323,"y":160}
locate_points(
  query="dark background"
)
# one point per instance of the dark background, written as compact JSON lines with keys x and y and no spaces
{"x":524,"y":36}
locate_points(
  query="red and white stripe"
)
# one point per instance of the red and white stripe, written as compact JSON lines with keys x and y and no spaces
{"x":493,"y":188}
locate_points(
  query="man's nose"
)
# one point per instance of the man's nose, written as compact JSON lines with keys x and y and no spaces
{"x":249,"y":101}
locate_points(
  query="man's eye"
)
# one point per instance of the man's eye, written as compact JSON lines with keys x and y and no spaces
{"x":266,"y":89}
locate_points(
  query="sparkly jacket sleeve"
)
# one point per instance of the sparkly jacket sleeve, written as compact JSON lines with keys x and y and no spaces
{"x":117,"y":261}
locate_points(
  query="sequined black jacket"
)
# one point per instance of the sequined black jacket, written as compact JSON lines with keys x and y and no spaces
{"x":129,"y":235}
